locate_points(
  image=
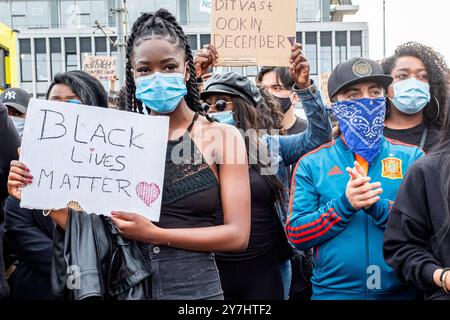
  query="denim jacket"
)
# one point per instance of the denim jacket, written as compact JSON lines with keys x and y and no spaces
{"x":287,"y":150}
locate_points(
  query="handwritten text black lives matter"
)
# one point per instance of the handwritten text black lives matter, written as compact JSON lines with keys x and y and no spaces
{"x":233,"y":28}
{"x":83,"y":153}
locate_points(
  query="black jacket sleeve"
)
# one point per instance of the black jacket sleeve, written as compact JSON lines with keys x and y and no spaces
{"x":9,"y":142}
{"x":25,"y":237}
{"x":408,"y":232}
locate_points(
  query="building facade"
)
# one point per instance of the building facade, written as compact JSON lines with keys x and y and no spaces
{"x":54,"y":35}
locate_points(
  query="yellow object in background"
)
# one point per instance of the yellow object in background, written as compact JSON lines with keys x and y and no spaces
{"x":8,"y":58}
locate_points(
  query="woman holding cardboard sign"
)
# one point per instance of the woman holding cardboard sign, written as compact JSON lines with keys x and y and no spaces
{"x":29,"y":234}
{"x":160,"y":73}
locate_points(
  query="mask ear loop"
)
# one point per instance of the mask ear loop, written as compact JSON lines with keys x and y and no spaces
{"x":439,"y":108}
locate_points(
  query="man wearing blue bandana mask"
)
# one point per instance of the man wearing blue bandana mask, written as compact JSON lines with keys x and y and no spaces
{"x":344,"y":190}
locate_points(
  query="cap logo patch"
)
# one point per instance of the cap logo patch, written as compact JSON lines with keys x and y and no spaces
{"x":10,"y":95}
{"x":362,"y":68}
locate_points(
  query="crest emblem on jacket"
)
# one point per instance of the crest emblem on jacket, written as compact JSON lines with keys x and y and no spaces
{"x":392,"y":168}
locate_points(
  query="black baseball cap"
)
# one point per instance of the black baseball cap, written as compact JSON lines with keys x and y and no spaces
{"x":355,"y":71}
{"x":16,"y":98}
{"x":232,"y":83}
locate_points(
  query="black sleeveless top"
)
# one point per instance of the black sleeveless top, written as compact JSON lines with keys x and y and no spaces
{"x":191,"y":191}
{"x":264,"y":225}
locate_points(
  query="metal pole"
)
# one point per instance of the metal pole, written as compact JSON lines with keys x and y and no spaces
{"x":120,"y":63}
{"x":384,"y":28}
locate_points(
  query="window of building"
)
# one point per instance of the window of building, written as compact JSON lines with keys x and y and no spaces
{"x":71,"y":54}
{"x":38,"y":14}
{"x":40,"y":50}
{"x":251,"y":71}
{"x":238,"y":70}
{"x":340,"y":50}
{"x":326,"y":63}
{"x":3,"y":54}
{"x":30,"y":14}
{"x":355,"y":44}
{"x":309,"y":10}
{"x":311,"y":50}
{"x":205,"y":39}
{"x":195,"y":15}
{"x":137,"y":7}
{"x":112,"y":48}
{"x":299,"y":37}
{"x":83,"y":13}
{"x":25,"y":60}
{"x":5,"y":13}
{"x":85,"y":48}
{"x":100,"y":46}
{"x":56,"y":56}
{"x":192,"y":40}
{"x":19,"y":14}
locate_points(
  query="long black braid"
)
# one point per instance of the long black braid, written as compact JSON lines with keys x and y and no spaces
{"x":161,"y":24}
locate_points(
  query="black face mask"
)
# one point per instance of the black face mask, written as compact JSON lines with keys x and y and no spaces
{"x":285,"y":103}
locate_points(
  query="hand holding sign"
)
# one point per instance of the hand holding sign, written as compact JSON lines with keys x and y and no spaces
{"x":93,"y":156}
{"x":19,"y":176}
{"x":205,"y":59}
{"x":299,"y":67}
{"x":136,"y":227}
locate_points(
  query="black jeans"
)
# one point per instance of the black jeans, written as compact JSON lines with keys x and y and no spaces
{"x":253,"y":279}
{"x":183,"y":275}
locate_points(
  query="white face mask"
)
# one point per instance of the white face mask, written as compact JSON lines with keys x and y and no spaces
{"x":19,"y":123}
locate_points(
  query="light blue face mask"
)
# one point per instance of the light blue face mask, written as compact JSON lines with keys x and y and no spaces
{"x":411,"y":95}
{"x":161,"y":92}
{"x":224,"y":117}
{"x":19,"y":124}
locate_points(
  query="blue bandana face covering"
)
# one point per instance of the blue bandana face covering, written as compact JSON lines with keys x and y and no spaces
{"x":224,"y":117}
{"x":161,"y":92}
{"x":411,"y":95}
{"x":361,"y":122}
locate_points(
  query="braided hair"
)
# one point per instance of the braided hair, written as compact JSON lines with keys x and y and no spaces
{"x":160,"y":25}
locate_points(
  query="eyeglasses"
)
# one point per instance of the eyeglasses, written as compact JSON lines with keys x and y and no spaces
{"x":220,"y":105}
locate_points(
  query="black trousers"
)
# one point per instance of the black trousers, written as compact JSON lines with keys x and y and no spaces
{"x":253,"y":279}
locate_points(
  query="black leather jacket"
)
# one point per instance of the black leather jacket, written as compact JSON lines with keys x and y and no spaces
{"x":92,"y":260}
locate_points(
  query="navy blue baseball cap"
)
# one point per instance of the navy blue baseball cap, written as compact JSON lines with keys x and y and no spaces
{"x":355,"y":71}
{"x":16,"y":98}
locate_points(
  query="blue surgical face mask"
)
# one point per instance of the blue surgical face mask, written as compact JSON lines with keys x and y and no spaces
{"x":161,"y":92}
{"x":19,"y":124}
{"x":411,"y":95}
{"x":361,"y":122}
{"x":224,"y":117}
{"x":74,"y":101}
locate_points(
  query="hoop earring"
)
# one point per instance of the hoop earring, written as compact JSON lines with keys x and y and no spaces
{"x":439,"y":108}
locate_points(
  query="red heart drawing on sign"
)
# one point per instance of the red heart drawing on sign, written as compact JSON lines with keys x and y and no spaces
{"x":147,"y":192}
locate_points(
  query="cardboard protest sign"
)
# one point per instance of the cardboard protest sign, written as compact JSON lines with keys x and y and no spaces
{"x":323,"y":82}
{"x":103,"y":159}
{"x":257,"y":32}
{"x":102,"y":68}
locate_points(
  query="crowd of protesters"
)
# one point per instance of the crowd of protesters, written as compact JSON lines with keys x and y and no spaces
{"x":349,"y":202}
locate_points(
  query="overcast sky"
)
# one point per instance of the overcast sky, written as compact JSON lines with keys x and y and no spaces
{"x":427,"y":22}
